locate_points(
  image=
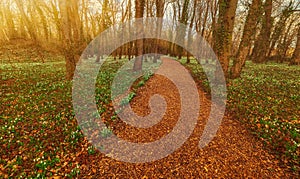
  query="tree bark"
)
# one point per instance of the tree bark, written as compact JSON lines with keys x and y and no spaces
{"x":8,"y":16}
{"x":249,"y":30}
{"x":296,"y":55}
{"x":30,"y":26}
{"x":224,"y":31}
{"x":190,"y":35}
{"x":71,"y":35}
{"x":279,"y":28}
{"x":262,"y":43}
{"x":38,"y":4}
{"x":205,"y":19}
{"x":139,"y":13}
{"x":181,"y":28}
{"x":160,"y":4}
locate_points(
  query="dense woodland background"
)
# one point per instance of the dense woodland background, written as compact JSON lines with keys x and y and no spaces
{"x":242,"y":30}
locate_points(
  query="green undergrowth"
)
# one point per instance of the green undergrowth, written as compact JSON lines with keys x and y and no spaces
{"x":119,"y":81}
{"x":37,"y":125}
{"x":39,"y":134}
{"x":267,"y":99}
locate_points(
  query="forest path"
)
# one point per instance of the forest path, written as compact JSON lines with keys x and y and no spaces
{"x":233,"y":153}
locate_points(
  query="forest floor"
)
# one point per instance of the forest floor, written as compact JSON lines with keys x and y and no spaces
{"x":233,"y":153}
{"x":40,"y":137}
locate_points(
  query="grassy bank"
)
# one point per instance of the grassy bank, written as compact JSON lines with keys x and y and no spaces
{"x":39,"y":134}
{"x":266,"y":98}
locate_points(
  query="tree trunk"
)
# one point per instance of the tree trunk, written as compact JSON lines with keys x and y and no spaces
{"x":66,"y":37}
{"x":279,"y":28}
{"x":181,"y":28}
{"x":223,"y":33}
{"x":160,"y":4}
{"x":190,"y":37}
{"x":249,"y":30}
{"x":8,"y":15}
{"x":213,"y":13}
{"x":205,"y":19}
{"x":139,"y":13}
{"x":287,"y":39}
{"x":30,"y":26}
{"x":71,"y":35}
{"x":129,"y":45}
{"x":57,"y":20}
{"x":296,"y":55}
{"x":129,"y":50}
{"x":262,"y":43}
{"x":38,"y":4}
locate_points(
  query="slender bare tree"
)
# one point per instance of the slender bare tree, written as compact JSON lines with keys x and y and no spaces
{"x":160,"y":4}
{"x":182,"y":26}
{"x":262,"y":43}
{"x":296,"y":55}
{"x":139,"y":13}
{"x":249,"y":30}
{"x":28,"y":24}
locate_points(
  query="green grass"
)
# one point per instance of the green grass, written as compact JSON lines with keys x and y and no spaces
{"x":37,"y":123}
{"x":267,"y":99}
{"x":40,"y":134}
{"x":37,"y":126}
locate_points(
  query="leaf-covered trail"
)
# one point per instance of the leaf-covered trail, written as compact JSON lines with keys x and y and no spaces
{"x":233,"y":153}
